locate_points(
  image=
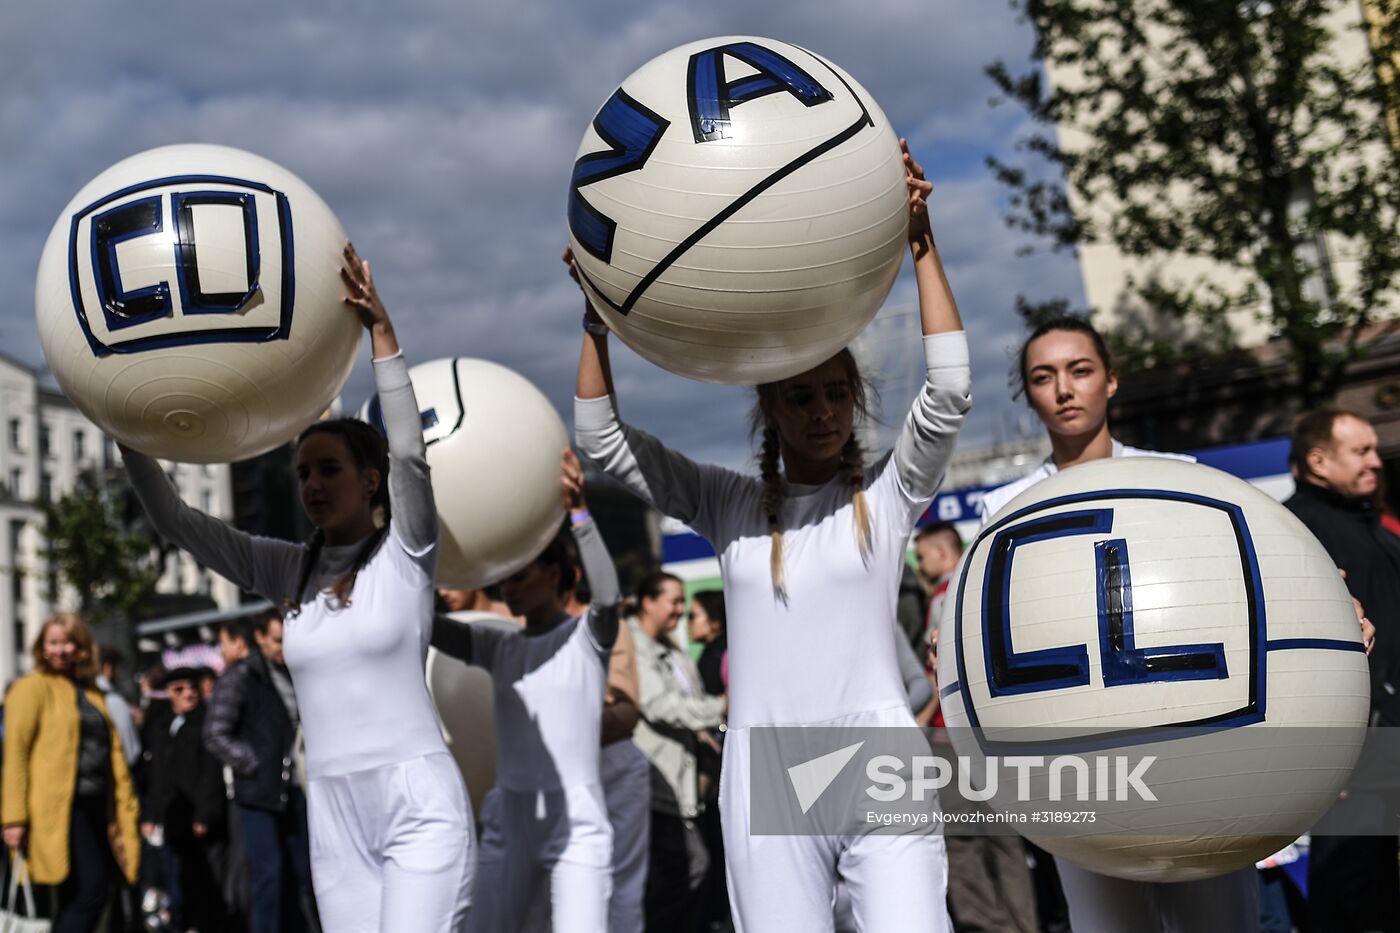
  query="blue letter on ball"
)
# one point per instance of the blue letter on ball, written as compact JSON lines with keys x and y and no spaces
{"x":632,"y":132}
{"x":711,"y":96}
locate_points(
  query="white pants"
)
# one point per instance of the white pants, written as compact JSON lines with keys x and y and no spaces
{"x":1100,"y":904}
{"x":391,"y":848}
{"x":626,"y":776}
{"x":779,"y":884}
{"x":551,"y":846}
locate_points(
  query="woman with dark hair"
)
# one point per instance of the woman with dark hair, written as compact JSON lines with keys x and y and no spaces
{"x":811,"y":552}
{"x":707,"y":616}
{"x":391,"y":838}
{"x":545,"y":825}
{"x":1066,"y":374}
{"x":69,"y":804}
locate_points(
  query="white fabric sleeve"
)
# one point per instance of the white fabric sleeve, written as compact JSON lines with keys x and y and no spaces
{"x":602,"y":581}
{"x":410,"y":486}
{"x":671,"y":482}
{"x":930,"y":432}
{"x":265,"y":566}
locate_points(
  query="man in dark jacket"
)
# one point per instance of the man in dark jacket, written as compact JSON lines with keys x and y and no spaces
{"x":1352,"y":879}
{"x":253,"y":728}
{"x":183,"y":808}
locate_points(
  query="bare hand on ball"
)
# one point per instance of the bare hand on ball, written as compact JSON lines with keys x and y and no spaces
{"x":919,"y":190}
{"x":571,"y":479}
{"x":364,"y":298}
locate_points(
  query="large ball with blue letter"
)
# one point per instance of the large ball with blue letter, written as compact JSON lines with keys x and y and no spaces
{"x":1156,"y":609}
{"x":189,"y":303}
{"x":494,"y":443}
{"x":737,"y":210}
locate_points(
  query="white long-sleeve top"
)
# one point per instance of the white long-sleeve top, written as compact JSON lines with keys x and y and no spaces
{"x":358,"y":669}
{"x":828,"y":651}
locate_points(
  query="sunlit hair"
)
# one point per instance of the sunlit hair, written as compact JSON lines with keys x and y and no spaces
{"x":83,"y":668}
{"x":770,"y":452}
{"x":1020,"y":378}
{"x":369,"y":451}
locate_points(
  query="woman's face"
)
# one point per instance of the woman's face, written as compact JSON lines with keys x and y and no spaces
{"x":334,"y":491}
{"x":667,"y":607}
{"x":701,"y":628}
{"x":533,"y":591}
{"x":814,"y":412}
{"x":1067,"y":384}
{"x":59,"y":649}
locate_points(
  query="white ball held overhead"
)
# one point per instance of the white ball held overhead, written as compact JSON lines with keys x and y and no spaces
{"x":189,"y":303}
{"x":1150,"y":603}
{"x":494,"y":447}
{"x":737,"y":210}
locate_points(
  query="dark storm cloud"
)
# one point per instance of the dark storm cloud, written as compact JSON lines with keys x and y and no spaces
{"x":443,"y":134}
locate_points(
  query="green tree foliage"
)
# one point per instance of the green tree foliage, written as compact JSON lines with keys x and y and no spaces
{"x":98,"y":544}
{"x":1222,"y":130}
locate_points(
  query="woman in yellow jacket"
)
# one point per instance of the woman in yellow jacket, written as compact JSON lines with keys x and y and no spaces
{"x":67,"y":797}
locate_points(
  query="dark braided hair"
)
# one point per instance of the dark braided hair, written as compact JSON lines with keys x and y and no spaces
{"x":369,"y":451}
{"x":852,"y":459}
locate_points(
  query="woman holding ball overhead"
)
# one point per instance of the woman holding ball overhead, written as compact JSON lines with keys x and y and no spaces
{"x":390,"y":829}
{"x":811,"y":553}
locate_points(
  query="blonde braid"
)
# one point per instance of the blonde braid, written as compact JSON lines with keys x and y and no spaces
{"x":773,"y":506}
{"x":854,"y":460}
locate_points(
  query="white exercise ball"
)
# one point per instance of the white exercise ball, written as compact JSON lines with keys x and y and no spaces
{"x":1145,"y":603}
{"x":494,"y":448}
{"x":737,"y":210}
{"x":189,"y":303}
{"x":466,"y":710}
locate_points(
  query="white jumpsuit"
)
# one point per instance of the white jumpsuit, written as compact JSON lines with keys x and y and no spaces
{"x":391,"y":834}
{"x":545,"y":832}
{"x":1101,"y":904}
{"x":825,"y":656}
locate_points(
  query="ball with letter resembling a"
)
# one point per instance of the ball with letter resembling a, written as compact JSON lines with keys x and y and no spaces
{"x":494,"y":447}
{"x":1156,"y":608}
{"x":737,"y":210}
{"x":189,"y":303}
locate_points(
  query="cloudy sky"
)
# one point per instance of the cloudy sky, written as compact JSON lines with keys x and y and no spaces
{"x":443,"y":134}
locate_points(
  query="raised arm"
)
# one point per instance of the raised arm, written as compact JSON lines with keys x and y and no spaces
{"x":410,"y":488}
{"x":925,"y":445}
{"x":215,"y":544}
{"x":664,"y":479}
{"x":593,"y":553}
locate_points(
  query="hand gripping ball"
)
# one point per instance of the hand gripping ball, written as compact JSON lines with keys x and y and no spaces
{"x":189,"y":303}
{"x":494,"y":447}
{"x":1138,"y":603}
{"x":737,"y":210}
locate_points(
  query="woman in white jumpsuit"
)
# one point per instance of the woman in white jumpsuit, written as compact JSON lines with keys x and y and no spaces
{"x":545,"y":832}
{"x":389,"y":822}
{"x":811,"y":556}
{"x":1067,"y":377}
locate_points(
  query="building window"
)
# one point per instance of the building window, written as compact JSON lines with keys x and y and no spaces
{"x":14,"y":434}
{"x":45,"y":440}
{"x":16,"y":572}
{"x":46,"y":486}
{"x":16,"y":483}
{"x":79,"y":447}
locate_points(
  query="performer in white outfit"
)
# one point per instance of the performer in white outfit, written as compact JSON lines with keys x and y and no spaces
{"x":545,"y":828}
{"x":1067,"y":377}
{"x":811,"y":557}
{"x":391,"y":834}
